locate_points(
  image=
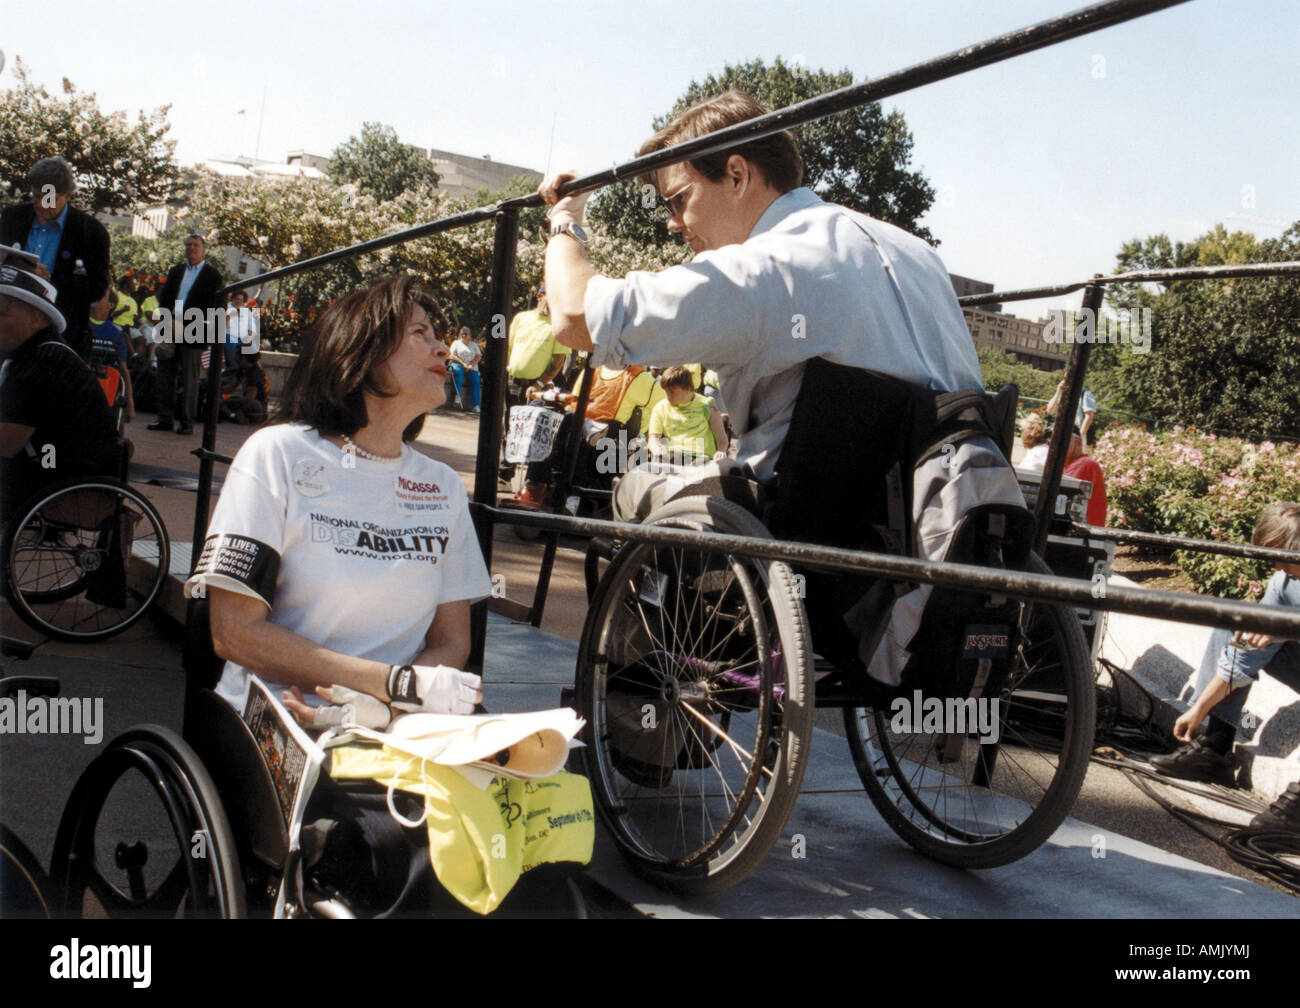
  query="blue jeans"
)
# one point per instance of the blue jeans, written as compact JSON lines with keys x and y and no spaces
{"x":1284,"y":665}
{"x":459,"y":378}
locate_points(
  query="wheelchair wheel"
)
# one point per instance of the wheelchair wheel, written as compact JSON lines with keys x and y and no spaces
{"x":144,"y":834}
{"x":23,"y":885}
{"x":693,"y":676}
{"x":84,"y":559}
{"x":986,"y":805}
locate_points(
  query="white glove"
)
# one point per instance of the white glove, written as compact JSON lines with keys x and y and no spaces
{"x":351,"y":708}
{"x":433,"y":689}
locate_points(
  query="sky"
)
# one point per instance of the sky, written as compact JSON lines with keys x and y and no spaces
{"x":1043,"y":165}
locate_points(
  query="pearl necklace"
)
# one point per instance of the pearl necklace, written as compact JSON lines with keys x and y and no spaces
{"x":356,"y":449}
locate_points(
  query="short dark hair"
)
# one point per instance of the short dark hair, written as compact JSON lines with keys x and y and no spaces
{"x":679,"y":377}
{"x":776,"y":156}
{"x":336,"y":367}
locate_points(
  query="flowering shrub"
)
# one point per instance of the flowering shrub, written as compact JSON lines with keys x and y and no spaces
{"x":1182,"y":482}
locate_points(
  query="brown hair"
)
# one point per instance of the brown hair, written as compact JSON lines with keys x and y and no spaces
{"x":1033,"y":432}
{"x":336,"y":367}
{"x":776,"y":157}
{"x":1278,"y":526}
{"x":678,"y":376}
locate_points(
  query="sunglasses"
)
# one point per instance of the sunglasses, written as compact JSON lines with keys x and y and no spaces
{"x":675,"y":203}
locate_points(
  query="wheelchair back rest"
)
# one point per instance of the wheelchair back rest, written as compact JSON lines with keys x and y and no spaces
{"x":198,"y":657}
{"x":837,"y":479}
{"x":858,"y":444}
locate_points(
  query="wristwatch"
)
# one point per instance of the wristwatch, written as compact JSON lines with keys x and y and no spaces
{"x":575,"y":231}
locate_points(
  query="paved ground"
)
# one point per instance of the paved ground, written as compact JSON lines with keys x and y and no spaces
{"x":855,"y":865}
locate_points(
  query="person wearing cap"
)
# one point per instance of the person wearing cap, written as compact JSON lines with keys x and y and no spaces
{"x":61,"y":237}
{"x":54,"y":420}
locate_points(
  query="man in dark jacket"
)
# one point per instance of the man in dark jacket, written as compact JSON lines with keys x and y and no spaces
{"x":61,"y":236}
{"x":193,"y":290}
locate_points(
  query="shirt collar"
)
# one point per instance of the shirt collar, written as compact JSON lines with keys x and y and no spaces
{"x":783,"y":206}
{"x":58,"y":221}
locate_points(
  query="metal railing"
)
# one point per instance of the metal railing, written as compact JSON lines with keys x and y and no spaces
{"x":505,"y":214}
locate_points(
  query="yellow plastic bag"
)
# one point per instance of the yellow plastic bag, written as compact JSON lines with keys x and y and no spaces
{"x":480,"y":842}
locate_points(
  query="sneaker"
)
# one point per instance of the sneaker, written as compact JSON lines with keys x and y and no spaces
{"x":1284,"y":814}
{"x":165,"y":425}
{"x":1197,"y":762}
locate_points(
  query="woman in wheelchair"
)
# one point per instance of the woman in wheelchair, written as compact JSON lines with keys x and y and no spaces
{"x":54,"y":420}
{"x":340,"y":563}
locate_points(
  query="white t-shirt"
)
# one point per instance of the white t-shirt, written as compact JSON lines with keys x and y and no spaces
{"x":467,"y":354}
{"x":1035,"y":458}
{"x":348,"y":552}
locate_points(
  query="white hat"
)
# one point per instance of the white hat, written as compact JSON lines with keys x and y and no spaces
{"x":40,"y":294}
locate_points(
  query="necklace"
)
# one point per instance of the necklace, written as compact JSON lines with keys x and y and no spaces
{"x":356,"y":449}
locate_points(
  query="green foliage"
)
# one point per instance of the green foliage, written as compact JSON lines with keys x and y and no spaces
{"x":284,"y":221}
{"x":1186,"y":483}
{"x":1222,"y":352}
{"x":120,"y":165}
{"x":1000,"y":368}
{"x":858,"y":158}
{"x":380,"y":164}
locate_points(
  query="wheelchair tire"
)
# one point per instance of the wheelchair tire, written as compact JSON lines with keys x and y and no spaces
{"x":995,"y":803}
{"x":148,"y":795}
{"x":57,"y":545}
{"x":680,"y":692}
{"x":24,"y":889}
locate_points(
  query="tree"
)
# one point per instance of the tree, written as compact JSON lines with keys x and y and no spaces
{"x":1000,"y":368}
{"x":380,"y":164}
{"x":120,"y":164}
{"x":858,"y":158}
{"x":1223,"y":352}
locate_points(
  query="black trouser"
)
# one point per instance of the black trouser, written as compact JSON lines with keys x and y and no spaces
{"x":179,"y":400}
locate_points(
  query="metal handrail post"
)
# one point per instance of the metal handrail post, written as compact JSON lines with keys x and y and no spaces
{"x":504,"y":246}
{"x":560,"y":492}
{"x":1075,"y":367}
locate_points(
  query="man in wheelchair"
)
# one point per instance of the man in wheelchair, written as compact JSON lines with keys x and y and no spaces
{"x":54,"y":420}
{"x":781,"y":279}
{"x":857,"y":399}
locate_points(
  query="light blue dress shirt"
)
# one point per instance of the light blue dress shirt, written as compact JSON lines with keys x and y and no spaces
{"x":812,"y":280}
{"x":187,"y":281}
{"x":43,"y":239}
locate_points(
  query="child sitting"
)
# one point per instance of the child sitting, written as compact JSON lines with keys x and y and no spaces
{"x":684,"y":424}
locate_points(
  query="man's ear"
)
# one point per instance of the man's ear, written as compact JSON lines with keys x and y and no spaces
{"x":739,"y":173}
